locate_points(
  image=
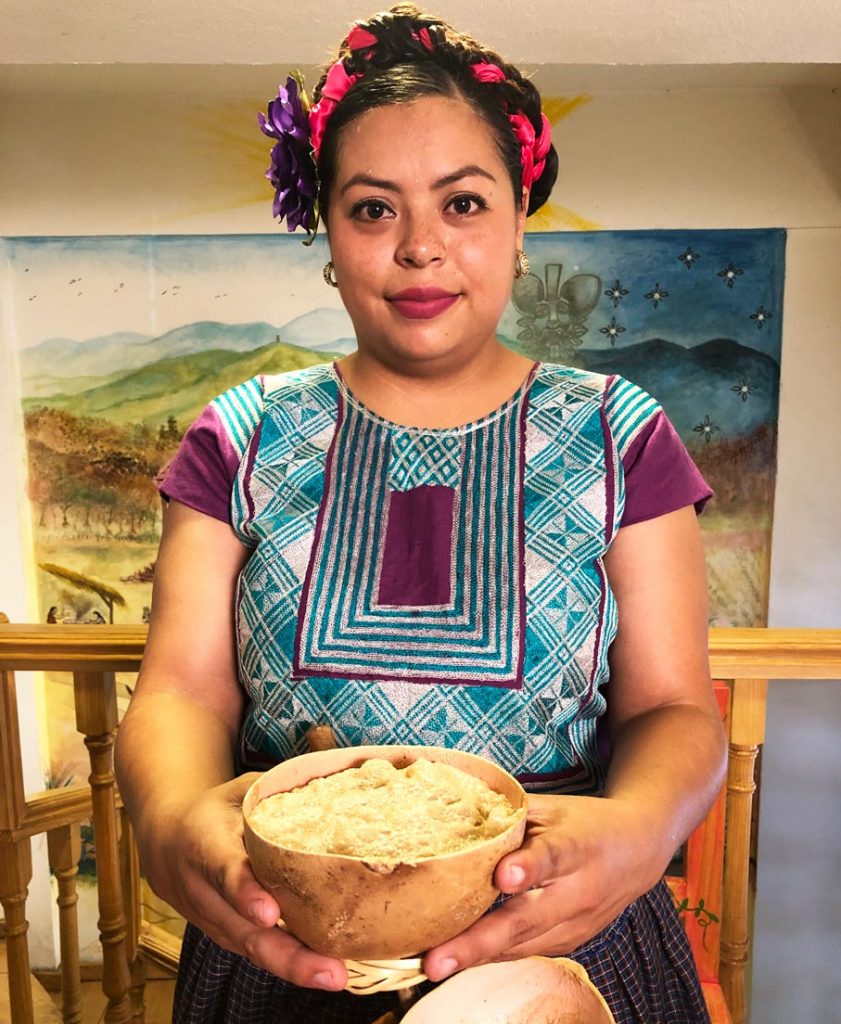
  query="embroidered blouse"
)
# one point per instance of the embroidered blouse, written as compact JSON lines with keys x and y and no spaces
{"x":432,"y":586}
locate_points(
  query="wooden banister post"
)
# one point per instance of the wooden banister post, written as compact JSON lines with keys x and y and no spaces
{"x":12,"y":798}
{"x":65,"y":848}
{"x":15,"y":876}
{"x":15,"y":855}
{"x":130,"y":874}
{"x":96,"y":718}
{"x":747,"y":732}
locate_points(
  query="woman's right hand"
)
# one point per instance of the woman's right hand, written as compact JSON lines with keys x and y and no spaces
{"x":175,"y":755}
{"x":199,"y":866}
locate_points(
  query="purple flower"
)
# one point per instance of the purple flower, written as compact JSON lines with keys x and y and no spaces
{"x":292,"y":172}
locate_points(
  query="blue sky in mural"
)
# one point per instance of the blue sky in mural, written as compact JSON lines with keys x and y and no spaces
{"x":694,"y":317}
{"x":713,"y":299}
{"x":696,"y":305}
{"x":89,"y":287}
{"x":711,"y":283}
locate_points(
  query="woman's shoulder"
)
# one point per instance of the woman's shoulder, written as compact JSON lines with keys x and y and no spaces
{"x":560,"y":377}
{"x":241,"y":408}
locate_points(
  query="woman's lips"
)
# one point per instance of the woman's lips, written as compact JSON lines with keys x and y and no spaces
{"x":422,"y":303}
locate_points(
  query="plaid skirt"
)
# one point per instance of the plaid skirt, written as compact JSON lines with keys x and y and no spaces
{"x":641,"y":963}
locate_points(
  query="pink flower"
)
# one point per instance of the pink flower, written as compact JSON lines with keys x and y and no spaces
{"x":335,"y":87}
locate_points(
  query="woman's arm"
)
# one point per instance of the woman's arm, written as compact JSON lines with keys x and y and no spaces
{"x":669,"y":749}
{"x":175,"y":755}
{"x":586,"y":858}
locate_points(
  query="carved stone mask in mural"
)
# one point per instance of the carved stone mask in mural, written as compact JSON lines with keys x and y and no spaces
{"x":554,"y":319}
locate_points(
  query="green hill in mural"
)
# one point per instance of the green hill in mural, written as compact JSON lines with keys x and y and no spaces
{"x":180,"y":386}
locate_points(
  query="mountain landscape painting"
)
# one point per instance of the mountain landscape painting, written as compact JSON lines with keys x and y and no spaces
{"x":120,"y":341}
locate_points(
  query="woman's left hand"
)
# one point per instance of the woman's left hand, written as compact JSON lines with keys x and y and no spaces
{"x":584,"y":859}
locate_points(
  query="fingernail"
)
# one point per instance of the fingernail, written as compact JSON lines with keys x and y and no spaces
{"x":257,"y":911}
{"x":446,"y":968}
{"x":516,"y":875}
{"x":324,"y":979}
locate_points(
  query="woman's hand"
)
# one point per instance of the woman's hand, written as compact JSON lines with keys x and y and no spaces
{"x":584,"y":859}
{"x":199,"y":866}
{"x":175,"y":758}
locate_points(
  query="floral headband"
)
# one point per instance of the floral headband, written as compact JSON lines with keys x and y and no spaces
{"x":298,"y":128}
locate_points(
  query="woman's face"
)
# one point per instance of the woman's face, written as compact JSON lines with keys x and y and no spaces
{"x":423,"y":232}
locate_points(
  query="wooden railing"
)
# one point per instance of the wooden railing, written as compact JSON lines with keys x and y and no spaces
{"x":93,"y":654}
{"x":746,"y":657}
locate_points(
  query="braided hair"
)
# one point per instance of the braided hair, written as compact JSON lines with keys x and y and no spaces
{"x":414,"y":55}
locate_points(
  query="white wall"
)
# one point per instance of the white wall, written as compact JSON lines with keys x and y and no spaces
{"x":135,"y":150}
{"x":798,"y":943}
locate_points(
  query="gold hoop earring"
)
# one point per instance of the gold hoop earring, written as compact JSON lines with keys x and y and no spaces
{"x":328,"y":274}
{"x":521,"y":265}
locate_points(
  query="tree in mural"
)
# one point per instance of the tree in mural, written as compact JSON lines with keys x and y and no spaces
{"x":90,"y":478}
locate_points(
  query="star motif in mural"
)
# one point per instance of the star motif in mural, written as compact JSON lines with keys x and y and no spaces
{"x":707,"y":429}
{"x":612,"y":330}
{"x":730,"y":273}
{"x":656,"y":295}
{"x":689,"y":257}
{"x":616,"y":293}
{"x":760,"y":316}
{"x":743,"y":389}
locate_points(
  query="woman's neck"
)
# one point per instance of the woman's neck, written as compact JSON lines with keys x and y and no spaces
{"x":450,"y":398}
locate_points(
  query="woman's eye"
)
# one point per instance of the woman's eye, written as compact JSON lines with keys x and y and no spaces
{"x":370,"y":209}
{"x":465,"y":204}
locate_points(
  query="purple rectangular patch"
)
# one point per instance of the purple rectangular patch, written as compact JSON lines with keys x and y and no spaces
{"x":417,"y":558}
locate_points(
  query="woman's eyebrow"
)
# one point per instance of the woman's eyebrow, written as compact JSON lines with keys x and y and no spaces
{"x":370,"y":182}
{"x":470,"y":170}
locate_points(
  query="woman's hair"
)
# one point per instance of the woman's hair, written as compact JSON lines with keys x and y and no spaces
{"x":400,"y":67}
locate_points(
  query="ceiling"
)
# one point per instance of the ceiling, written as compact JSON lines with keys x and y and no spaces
{"x":596,"y":33}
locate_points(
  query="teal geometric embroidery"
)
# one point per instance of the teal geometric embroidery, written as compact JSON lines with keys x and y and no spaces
{"x":424,"y":457}
{"x":240,"y":410}
{"x":628,"y":409}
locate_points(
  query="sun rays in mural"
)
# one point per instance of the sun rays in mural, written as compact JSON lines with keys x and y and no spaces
{"x":235,"y":155}
{"x":552,"y":216}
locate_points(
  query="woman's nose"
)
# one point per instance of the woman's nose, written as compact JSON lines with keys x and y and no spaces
{"x":421,"y":243}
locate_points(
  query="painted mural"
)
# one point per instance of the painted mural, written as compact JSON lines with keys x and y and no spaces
{"x":121,"y":341}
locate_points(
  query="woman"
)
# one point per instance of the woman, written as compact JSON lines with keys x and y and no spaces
{"x":433,"y":541}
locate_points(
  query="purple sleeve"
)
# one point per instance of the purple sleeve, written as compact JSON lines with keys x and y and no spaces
{"x":203,"y":470}
{"x":660,"y":475}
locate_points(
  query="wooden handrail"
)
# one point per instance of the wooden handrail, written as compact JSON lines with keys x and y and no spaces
{"x":52,"y":808}
{"x":759,"y":653}
{"x":775,"y":653}
{"x":72,"y":648}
